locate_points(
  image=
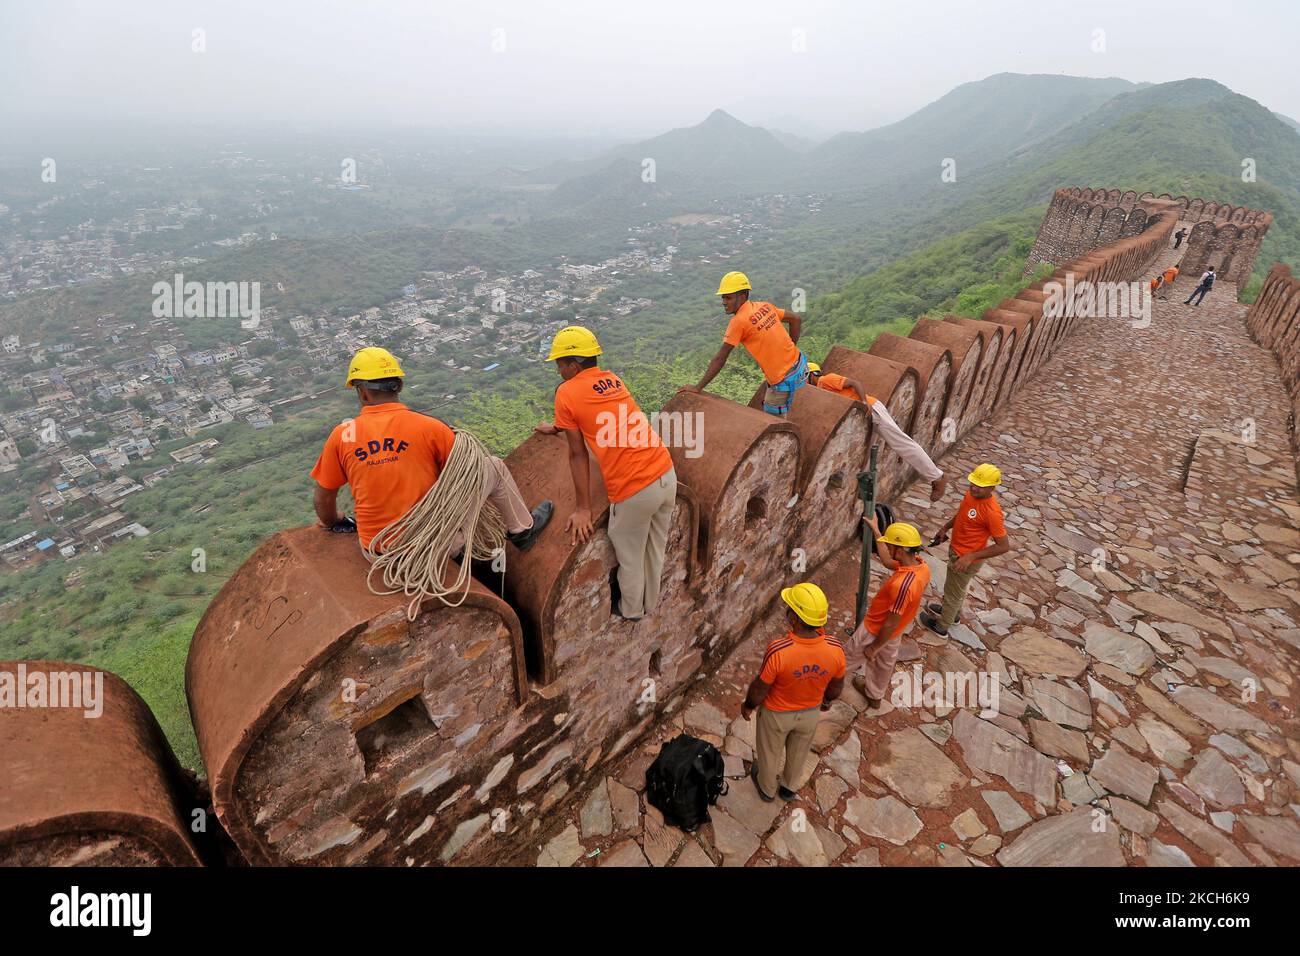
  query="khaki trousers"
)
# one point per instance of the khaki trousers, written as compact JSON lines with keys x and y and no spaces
{"x":638,"y":530}
{"x":500,"y":491}
{"x":878,"y":672}
{"x":954,"y":590}
{"x":783,"y":740}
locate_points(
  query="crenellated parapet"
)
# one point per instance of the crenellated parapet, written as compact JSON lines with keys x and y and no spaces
{"x":337,"y":731}
{"x":86,"y":776}
{"x":1219,"y":234}
{"x":1274,"y":322}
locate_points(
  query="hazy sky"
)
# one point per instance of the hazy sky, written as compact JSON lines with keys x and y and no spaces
{"x":619,"y":67}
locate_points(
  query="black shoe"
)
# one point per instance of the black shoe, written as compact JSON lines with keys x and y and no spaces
{"x":616,"y":597}
{"x":523,"y":540}
{"x":785,"y":794}
{"x":753,"y":775}
{"x":932,"y":622}
{"x":937,"y":611}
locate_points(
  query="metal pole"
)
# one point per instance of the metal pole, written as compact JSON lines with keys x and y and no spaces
{"x":867,"y":493}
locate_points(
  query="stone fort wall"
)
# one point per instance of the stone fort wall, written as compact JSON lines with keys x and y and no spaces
{"x":336,"y":731}
{"x":1219,"y":234}
{"x":1274,"y":322}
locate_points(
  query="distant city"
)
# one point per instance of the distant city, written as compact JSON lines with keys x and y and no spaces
{"x":125,"y":384}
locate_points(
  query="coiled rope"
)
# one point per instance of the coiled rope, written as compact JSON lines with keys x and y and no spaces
{"x":411,"y":554}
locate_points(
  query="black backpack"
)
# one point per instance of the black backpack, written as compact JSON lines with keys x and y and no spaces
{"x":684,"y":781}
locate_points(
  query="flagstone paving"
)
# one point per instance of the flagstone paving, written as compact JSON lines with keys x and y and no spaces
{"x":1145,"y":631}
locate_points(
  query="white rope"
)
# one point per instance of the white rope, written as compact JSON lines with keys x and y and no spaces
{"x":411,"y":554}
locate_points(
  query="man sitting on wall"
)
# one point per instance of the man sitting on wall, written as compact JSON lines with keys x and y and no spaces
{"x":391,"y":456}
{"x":884,"y":426}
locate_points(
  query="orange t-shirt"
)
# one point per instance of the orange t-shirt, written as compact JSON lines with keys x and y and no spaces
{"x":978,"y":519}
{"x":834,"y":382}
{"x":901,"y":593}
{"x":757,"y":326}
{"x":1171,"y":274}
{"x":1155,"y":283}
{"x":629,"y":451}
{"x":799,"y":668}
{"x":390,"y":455}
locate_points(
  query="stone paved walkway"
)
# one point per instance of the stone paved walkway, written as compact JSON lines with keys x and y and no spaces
{"x":1144,"y":631}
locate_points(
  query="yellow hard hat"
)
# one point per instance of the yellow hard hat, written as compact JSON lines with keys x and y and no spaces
{"x":574,"y":341}
{"x":373,"y":363}
{"x":986,"y":476}
{"x":814,"y":367}
{"x":809,"y":602}
{"x":733,"y":282}
{"x":902,"y":534}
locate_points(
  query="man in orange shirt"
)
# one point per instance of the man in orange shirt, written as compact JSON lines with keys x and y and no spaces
{"x":758,"y":326}
{"x":1168,"y":280}
{"x":978,"y":519}
{"x":596,"y":411}
{"x":883,"y":425}
{"x":876,"y":642}
{"x":801,"y":674}
{"x":391,"y":456}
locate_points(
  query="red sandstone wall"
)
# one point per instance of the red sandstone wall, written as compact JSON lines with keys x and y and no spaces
{"x":1274,"y":322}
{"x":78,"y":790}
{"x":335,"y":731}
{"x":1220,"y":234}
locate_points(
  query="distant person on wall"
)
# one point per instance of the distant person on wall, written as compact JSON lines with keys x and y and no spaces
{"x":391,"y":456}
{"x":597,"y":413}
{"x":758,"y":326}
{"x":801,"y":674}
{"x":1167,"y":281}
{"x":878,"y":638}
{"x":978,"y":520}
{"x":884,"y":426}
{"x":1205,"y":285}
{"x":1178,"y":237}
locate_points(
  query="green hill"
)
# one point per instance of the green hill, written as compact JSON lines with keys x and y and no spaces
{"x":976,"y":124}
{"x":719,"y":156}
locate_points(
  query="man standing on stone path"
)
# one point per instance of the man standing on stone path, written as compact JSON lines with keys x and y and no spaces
{"x":1178,"y":237}
{"x":597,"y":412}
{"x":801,"y":674}
{"x":1206,"y":284}
{"x":978,"y":518}
{"x":758,"y":326}
{"x":884,"y":426}
{"x":875,"y":644}
{"x":1167,"y":280}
